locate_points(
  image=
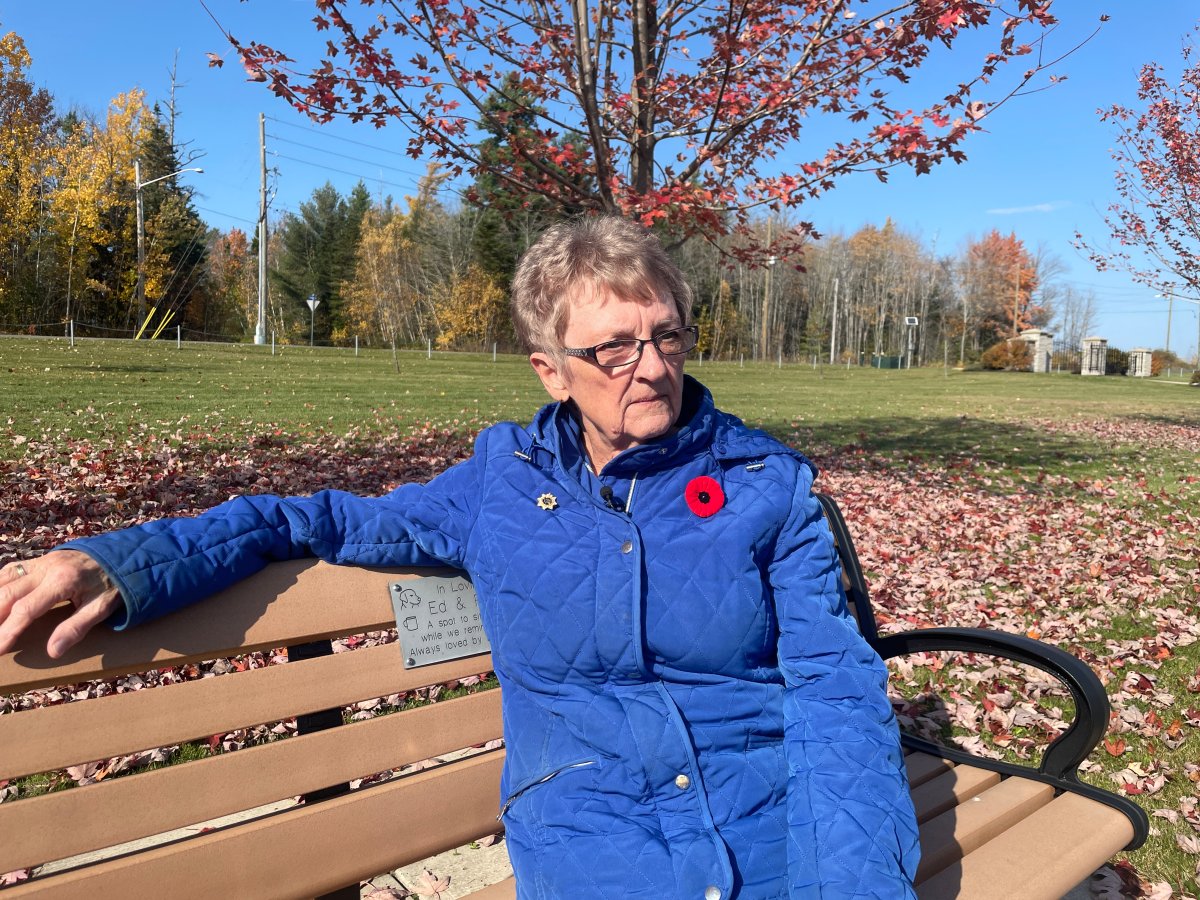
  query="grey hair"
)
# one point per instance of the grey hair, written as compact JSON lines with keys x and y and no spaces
{"x":606,"y":252}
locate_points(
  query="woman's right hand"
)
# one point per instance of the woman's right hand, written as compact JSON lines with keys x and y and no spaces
{"x":31,"y":588}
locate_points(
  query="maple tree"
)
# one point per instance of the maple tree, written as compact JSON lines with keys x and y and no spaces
{"x":231,"y":303}
{"x":1155,"y":222}
{"x":675,"y":113}
{"x":999,"y":278}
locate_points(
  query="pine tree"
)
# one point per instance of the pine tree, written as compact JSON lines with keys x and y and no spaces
{"x":176,"y":237}
{"x":318,"y":247}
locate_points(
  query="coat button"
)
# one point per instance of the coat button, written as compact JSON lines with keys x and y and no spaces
{"x":712,"y":892}
{"x":682,"y":782}
{"x":627,"y":546}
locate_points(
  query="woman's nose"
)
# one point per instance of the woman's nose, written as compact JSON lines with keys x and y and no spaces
{"x":651,"y":364}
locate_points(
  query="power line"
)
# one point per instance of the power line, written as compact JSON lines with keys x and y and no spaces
{"x":367,"y":179}
{"x":218,"y":212}
{"x":337,"y":137}
{"x":328,"y":168}
{"x":369,"y":162}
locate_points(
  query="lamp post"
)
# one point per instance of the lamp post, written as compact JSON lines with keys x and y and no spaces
{"x":911,"y":322}
{"x":138,"y":184}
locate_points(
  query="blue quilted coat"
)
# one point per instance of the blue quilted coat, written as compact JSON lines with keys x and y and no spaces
{"x":689,"y":709}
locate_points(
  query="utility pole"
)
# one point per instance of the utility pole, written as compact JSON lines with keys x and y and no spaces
{"x":140,"y":290}
{"x":1016,"y":295}
{"x":766,"y":302}
{"x":833,"y":326}
{"x":260,"y":331}
{"x":1169,"y":296}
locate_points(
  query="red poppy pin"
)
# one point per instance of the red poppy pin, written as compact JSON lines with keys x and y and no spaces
{"x":704,"y":496}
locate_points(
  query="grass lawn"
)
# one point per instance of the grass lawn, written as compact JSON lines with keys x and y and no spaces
{"x":100,"y":385}
{"x":1054,"y":505}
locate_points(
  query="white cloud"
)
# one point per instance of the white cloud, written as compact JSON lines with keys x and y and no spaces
{"x":1035,"y":208}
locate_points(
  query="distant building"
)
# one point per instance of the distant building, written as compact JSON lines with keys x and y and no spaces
{"x":1140,"y":362}
{"x":1095,"y":355}
{"x":1041,"y":348}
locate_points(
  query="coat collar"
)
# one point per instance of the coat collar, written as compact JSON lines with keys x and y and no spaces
{"x":702,"y":427}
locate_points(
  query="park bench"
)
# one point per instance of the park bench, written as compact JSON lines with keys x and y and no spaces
{"x":231,"y":824}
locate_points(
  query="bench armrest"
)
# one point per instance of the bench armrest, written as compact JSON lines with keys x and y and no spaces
{"x":1062,"y":758}
{"x":1066,"y":753}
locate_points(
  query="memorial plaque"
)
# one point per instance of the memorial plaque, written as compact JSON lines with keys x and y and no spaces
{"x":437,"y":619}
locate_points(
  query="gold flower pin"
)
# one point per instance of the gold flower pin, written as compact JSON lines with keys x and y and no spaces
{"x":547,"y":502}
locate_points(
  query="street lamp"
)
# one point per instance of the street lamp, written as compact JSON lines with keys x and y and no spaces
{"x":911,"y":322}
{"x":138,"y":184}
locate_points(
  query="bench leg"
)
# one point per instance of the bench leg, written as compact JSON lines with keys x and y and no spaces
{"x":317,"y":721}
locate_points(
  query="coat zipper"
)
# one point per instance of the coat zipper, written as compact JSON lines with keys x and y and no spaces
{"x":547,"y":777}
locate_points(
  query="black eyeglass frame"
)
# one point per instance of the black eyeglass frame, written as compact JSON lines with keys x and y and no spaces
{"x":590,"y":352}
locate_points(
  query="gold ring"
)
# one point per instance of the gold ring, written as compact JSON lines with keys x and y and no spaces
{"x":21,"y":573}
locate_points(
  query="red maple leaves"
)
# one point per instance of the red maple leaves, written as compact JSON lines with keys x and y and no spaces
{"x":651,"y":108}
{"x":1157,"y":156}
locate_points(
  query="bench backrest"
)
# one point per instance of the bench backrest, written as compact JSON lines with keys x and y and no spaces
{"x":263,"y":835}
{"x":300,"y":849}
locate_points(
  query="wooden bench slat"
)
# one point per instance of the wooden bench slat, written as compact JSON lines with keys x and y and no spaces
{"x":201,"y":790}
{"x":948,"y":837}
{"x":306,"y":850}
{"x":322,"y":601}
{"x":54,"y":737}
{"x":923,"y":767}
{"x":1050,"y":866}
{"x":949,"y":789}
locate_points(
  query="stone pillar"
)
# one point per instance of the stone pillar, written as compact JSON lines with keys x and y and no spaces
{"x":1140,"y":360}
{"x":1095,"y":355}
{"x":1041,"y":347}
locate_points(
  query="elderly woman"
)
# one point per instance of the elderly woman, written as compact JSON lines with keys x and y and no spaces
{"x":689,"y":709}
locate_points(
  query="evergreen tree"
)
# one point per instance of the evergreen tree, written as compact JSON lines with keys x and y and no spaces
{"x":510,"y":218}
{"x":318,"y":246}
{"x":176,"y":237}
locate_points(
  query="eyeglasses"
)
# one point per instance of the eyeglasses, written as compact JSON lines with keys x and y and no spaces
{"x":613,"y":354}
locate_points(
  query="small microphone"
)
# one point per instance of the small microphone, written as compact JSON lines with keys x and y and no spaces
{"x":613,"y":503}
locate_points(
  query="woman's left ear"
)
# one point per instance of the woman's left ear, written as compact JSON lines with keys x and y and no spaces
{"x":551,"y":375}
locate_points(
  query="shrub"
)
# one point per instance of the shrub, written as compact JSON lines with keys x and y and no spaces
{"x":1012,"y":355}
{"x":1195,"y":382}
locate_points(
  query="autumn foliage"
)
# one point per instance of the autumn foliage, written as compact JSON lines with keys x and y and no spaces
{"x":676,"y":114}
{"x":1101,"y":564}
{"x":1155,"y":224}
{"x":1012,"y":355}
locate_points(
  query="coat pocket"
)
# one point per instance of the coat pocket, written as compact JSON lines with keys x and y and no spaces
{"x":531,"y":783}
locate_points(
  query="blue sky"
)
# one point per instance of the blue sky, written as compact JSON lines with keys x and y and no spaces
{"x":1042,"y":169}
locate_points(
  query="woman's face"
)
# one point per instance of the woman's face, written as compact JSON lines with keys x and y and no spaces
{"x":626,"y":406}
